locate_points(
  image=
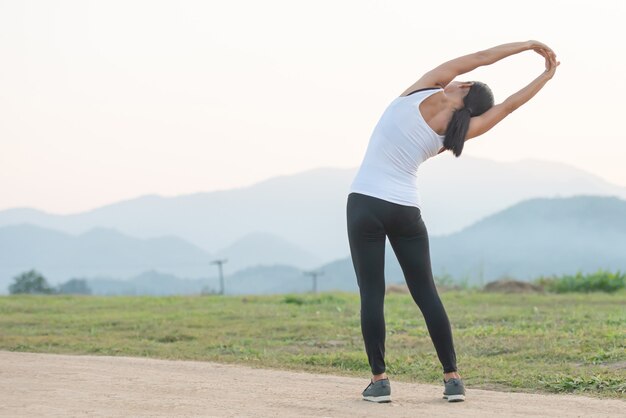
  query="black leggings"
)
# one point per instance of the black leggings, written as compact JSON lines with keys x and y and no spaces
{"x":370,"y":220}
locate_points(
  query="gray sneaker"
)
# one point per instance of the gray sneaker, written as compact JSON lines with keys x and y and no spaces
{"x":454,"y":390}
{"x":379,"y":391}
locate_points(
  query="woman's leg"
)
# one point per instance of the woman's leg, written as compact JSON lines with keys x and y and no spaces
{"x":366,"y":235}
{"x":409,"y":239}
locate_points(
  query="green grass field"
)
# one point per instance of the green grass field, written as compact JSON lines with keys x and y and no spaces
{"x":522,"y":342}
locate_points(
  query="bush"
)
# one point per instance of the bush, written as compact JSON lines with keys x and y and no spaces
{"x":30,"y":282}
{"x":600,"y":281}
{"x":74,"y":287}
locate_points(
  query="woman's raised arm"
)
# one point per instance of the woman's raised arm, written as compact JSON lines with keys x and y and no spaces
{"x":481,"y":124}
{"x":446,"y":72}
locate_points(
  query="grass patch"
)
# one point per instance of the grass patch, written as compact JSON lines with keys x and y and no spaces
{"x":569,"y":342}
{"x":584,"y":384}
{"x":600,"y":281}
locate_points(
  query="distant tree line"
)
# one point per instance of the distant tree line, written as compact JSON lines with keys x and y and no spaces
{"x":33,"y":282}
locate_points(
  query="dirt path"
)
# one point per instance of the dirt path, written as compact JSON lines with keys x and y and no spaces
{"x":63,"y":385}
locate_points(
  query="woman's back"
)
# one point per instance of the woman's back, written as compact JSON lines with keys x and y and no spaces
{"x":400,"y":142}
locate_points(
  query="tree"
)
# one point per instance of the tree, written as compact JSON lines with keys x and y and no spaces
{"x":30,"y":282}
{"x":75,"y":286}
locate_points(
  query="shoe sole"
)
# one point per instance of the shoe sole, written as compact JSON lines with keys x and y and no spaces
{"x":454,"y":398}
{"x":378,"y":399}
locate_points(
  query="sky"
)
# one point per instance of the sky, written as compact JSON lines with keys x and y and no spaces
{"x":102,"y":101}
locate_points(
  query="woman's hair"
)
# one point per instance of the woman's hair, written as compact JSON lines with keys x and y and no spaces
{"x":478,"y":100}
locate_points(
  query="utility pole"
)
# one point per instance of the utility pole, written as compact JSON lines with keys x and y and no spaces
{"x":219,"y":266}
{"x":314,"y":274}
{"x":481,"y":276}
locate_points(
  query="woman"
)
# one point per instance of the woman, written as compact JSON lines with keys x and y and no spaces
{"x":433,"y":115}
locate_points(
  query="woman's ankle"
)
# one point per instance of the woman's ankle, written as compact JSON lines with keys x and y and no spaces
{"x":451,"y":375}
{"x":378,"y":377}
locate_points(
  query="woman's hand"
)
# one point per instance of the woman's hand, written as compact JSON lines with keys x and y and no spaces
{"x":548,"y":54}
{"x":542,"y":49}
{"x":551,"y":64}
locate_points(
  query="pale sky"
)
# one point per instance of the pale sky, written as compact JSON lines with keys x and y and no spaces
{"x":108,"y":100}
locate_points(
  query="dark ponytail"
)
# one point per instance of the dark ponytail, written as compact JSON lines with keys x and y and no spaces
{"x":478,"y":100}
{"x":457,"y":131}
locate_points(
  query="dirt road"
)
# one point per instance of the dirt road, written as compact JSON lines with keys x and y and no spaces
{"x":64,"y":385}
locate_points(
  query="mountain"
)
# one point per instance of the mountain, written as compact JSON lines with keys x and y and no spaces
{"x":532,"y":238}
{"x":309,"y":208}
{"x":539,"y":236}
{"x":529,"y":239}
{"x":301,"y":208}
{"x":459,"y":192}
{"x":108,"y":253}
{"x":100,"y":251}
{"x":259,"y":248}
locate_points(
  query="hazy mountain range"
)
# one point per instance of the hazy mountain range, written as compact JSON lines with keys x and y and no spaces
{"x":109,"y":253}
{"x":299,"y":221}
{"x":532,"y":238}
{"x":308,"y":209}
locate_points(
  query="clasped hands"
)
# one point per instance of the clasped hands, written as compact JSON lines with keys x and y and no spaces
{"x":549,"y":55}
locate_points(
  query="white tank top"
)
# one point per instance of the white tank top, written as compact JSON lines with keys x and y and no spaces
{"x":400,"y":142}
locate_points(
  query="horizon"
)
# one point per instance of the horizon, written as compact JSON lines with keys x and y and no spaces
{"x":107,"y":102}
{"x":256,"y":182}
